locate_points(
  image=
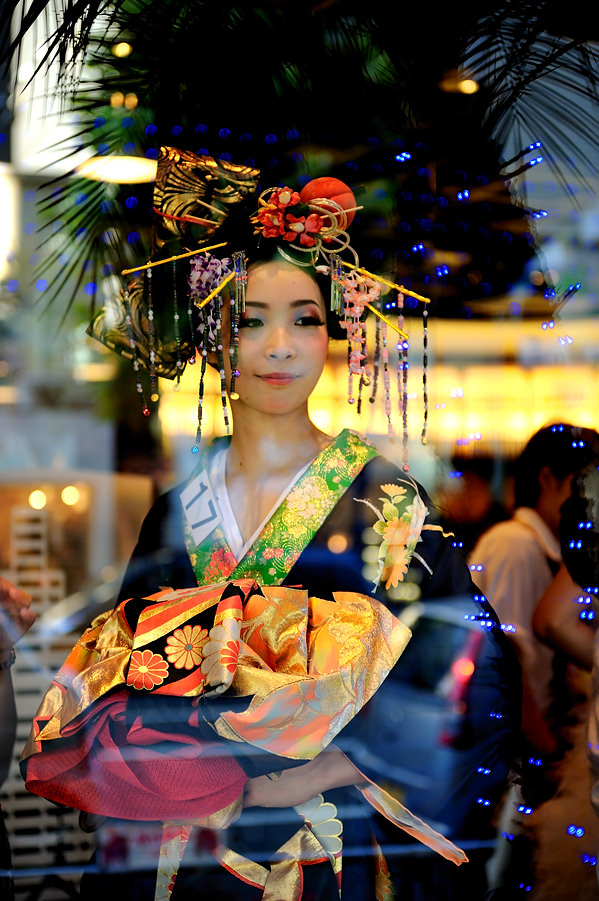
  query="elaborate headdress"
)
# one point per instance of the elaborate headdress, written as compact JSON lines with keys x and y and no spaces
{"x":207,"y":215}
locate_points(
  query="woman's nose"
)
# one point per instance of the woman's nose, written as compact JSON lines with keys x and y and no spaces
{"x":280,"y":345}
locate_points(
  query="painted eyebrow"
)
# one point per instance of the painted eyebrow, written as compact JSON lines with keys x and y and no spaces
{"x":295,"y":303}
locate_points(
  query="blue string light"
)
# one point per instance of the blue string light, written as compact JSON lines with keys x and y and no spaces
{"x":403,"y":157}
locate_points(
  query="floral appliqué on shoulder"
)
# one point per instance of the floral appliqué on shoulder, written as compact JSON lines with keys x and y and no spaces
{"x":399,"y":522}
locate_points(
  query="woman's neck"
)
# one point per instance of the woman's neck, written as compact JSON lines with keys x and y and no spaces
{"x":265,"y":455}
{"x":273,"y":444}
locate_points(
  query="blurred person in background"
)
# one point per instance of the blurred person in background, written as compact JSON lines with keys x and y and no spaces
{"x":468,"y":500}
{"x":16,"y":617}
{"x":563,"y":831}
{"x":514,"y":564}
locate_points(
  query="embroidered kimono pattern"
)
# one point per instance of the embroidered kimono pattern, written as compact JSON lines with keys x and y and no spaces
{"x":289,"y":529}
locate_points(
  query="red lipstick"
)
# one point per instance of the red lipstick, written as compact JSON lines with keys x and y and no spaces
{"x":278,"y":378}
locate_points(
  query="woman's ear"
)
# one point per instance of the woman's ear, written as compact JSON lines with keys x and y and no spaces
{"x":546,"y":479}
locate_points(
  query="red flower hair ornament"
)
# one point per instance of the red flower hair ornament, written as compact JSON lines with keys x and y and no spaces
{"x":319,"y":213}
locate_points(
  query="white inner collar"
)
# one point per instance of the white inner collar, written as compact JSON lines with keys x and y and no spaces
{"x":217,"y":470}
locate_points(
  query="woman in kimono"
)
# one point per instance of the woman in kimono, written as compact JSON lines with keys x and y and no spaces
{"x":256,"y":526}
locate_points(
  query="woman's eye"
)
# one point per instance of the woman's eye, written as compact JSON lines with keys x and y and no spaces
{"x":250,"y":322}
{"x":309,"y":320}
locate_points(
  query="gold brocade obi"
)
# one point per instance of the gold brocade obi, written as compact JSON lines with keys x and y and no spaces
{"x":306,"y":666}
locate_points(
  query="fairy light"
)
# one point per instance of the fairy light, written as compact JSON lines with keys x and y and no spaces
{"x":122,"y":49}
{"x":70,"y":495}
{"x":37,"y":500}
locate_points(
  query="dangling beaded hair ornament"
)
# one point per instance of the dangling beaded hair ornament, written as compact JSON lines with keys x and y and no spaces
{"x":310,"y":228}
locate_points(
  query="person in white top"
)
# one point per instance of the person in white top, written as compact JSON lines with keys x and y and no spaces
{"x":514,"y":562}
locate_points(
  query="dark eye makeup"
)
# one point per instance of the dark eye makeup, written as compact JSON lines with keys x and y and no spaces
{"x":309,"y":319}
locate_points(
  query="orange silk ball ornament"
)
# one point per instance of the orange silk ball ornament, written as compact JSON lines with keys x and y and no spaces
{"x":332,"y":188}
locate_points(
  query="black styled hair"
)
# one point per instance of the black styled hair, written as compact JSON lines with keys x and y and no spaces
{"x":564,"y":448}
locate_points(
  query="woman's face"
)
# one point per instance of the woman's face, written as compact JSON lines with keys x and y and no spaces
{"x":283,"y":340}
